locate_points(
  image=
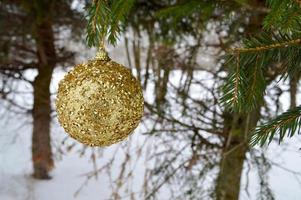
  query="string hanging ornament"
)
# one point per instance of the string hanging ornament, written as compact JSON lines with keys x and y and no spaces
{"x":99,"y":102}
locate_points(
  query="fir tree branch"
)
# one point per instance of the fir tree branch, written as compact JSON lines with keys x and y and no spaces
{"x":285,"y":15}
{"x":233,"y":89}
{"x":287,"y":123}
{"x":256,"y":84}
{"x":236,"y":81}
{"x":181,"y":10}
{"x":284,"y":44}
{"x":104,"y":20}
{"x":94,"y":17}
{"x":281,"y":43}
{"x":246,"y":93}
{"x":120,"y":9}
{"x":98,"y":18}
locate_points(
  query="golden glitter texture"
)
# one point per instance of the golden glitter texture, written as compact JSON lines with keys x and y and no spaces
{"x":100,"y":102}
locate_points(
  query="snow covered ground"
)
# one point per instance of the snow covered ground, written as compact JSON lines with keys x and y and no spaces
{"x":68,"y":181}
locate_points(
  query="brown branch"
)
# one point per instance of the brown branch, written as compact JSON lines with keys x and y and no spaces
{"x":266,"y":48}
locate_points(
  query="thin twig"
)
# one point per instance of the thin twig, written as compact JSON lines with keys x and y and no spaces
{"x":266,"y":48}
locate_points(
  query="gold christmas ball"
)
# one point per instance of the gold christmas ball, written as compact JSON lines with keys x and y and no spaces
{"x":100,"y":102}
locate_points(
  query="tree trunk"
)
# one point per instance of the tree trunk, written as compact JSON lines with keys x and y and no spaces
{"x":294,"y":79}
{"x":228,"y":184}
{"x":41,"y":147}
{"x":41,"y":141}
{"x":237,"y":128}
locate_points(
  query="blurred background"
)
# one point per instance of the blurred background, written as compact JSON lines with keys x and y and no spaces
{"x":187,"y":145}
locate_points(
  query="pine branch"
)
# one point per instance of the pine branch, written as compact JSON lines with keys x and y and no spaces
{"x":98,"y":17}
{"x":179,"y":11}
{"x":256,"y":84}
{"x":246,"y":85}
{"x":244,"y":89}
{"x":285,"y":15}
{"x":120,"y":9}
{"x":283,"y":44}
{"x":233,"y":90}
{"x":104,"y":20}
{"x":287,"y":123}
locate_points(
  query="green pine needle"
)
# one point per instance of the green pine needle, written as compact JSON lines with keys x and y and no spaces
{"x":182,"y":10}
{"x":288,"y":123}
{"x":104,"y":20}
{"x":234,"y":88}
{"x":245,"y":86}
{"x":285,"y":15}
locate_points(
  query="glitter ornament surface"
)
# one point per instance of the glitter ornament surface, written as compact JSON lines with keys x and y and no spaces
{"x":100,"y":102}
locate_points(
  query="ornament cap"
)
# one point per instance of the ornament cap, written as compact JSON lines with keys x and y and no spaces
{"x":102,"y":54}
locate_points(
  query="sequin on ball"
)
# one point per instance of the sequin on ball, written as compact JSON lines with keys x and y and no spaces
{"x":99,"y":103}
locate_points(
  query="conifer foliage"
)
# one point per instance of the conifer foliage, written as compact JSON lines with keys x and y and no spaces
{"x":280,"y":42}
{"x":103,"y":20}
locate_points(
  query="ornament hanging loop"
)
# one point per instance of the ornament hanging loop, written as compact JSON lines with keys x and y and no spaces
{"x":102,"y":54}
